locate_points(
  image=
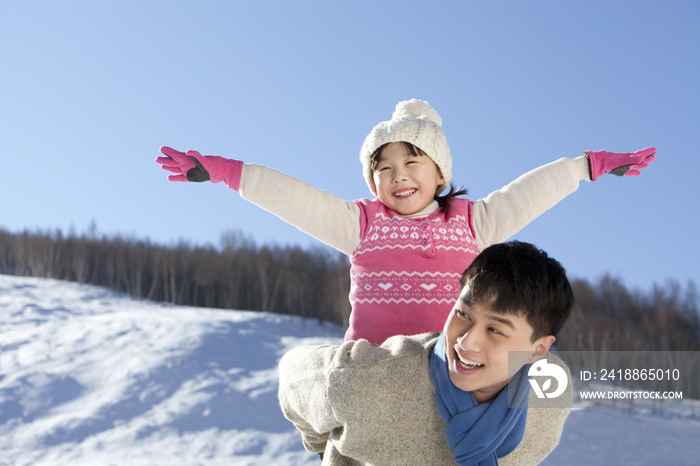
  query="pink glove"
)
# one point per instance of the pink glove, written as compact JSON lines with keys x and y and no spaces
{"x":193,"y":166}
{"x":620,"y":164}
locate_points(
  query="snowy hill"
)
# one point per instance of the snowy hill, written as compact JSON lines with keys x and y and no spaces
{"x":93,"y":377}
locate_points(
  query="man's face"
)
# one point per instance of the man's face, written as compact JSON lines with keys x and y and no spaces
{"x":478,"y":340}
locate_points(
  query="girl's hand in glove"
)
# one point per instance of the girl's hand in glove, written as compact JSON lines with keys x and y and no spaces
{"x":620,"y":164}
{"x":193,"y":166}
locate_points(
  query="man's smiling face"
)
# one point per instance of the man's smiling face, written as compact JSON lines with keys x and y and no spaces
{"x":477,"y":341}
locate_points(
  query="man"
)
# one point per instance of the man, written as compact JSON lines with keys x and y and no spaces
{"x":441,"y":399}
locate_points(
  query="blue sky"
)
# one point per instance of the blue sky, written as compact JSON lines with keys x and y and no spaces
{"x":89,"y":90}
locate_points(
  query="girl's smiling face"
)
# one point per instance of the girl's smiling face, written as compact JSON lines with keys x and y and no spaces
{"x":405,"y":183}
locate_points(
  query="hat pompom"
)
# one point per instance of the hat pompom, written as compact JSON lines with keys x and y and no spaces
{"x":417,"y":109}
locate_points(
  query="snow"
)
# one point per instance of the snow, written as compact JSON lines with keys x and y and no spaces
{"x":89,"y":376}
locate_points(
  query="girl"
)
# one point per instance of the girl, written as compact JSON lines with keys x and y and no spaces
{"x":409,"y":245}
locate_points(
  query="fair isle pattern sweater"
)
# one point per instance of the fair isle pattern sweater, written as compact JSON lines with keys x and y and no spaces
{"x":344,"y":225}
{"x":405,"y":273}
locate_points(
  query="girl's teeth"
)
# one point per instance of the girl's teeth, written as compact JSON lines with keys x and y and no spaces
{"x":405,"y":193}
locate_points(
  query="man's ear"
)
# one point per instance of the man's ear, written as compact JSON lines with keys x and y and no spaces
{"x":541,"y":346}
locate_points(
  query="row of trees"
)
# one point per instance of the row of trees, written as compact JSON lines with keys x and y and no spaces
{"x":612,"y":328}
{"x":238,"y":275}
{"x":608,"y":317}
{"x":315,"y":283}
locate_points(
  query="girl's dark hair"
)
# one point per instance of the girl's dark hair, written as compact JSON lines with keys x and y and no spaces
{"x":443,"y":201}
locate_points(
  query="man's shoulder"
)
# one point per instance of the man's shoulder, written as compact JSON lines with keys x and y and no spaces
{"x":402,"y":344}
{"x":361,"y":353}
{"x":384,"y":397}
{"x":385,"y":380}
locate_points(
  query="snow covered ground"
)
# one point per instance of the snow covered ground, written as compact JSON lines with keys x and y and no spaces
{"x":93,"y":377}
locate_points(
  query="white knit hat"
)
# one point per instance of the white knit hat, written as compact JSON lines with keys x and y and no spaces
{"x":413,"y":121}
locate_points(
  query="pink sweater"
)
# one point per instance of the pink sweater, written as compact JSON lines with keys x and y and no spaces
{"x":405,"y":273}
{"x":391,"y":264}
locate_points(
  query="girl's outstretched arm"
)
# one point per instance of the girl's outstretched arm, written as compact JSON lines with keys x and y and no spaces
{"x":323,"y":215}
{"x":505,"y":212}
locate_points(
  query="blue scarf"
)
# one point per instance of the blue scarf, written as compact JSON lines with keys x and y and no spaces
{"x":479,"y":434}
